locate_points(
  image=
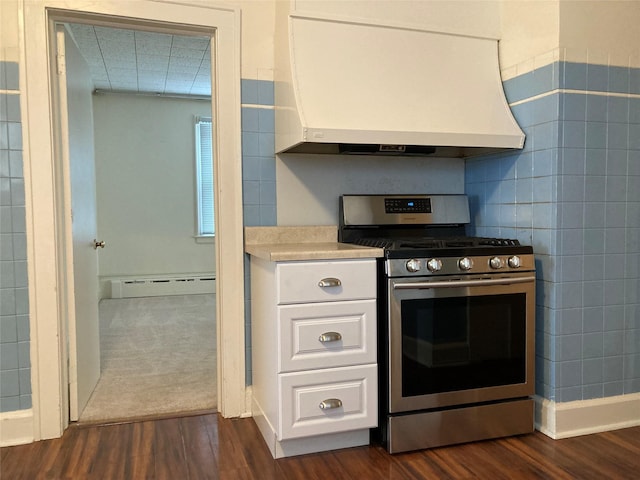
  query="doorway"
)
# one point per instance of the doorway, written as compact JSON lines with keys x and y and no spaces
{"x":50,"y":291}
{"x":156,"y":265}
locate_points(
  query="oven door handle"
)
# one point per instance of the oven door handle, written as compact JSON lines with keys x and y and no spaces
{"x":462,"y":283}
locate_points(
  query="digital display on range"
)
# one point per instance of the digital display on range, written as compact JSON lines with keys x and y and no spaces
{"x":407,"y":205}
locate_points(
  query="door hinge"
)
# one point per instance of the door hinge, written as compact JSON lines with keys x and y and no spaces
{"x":61,"y":64}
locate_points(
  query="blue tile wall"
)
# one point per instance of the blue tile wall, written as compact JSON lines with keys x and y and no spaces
{"x":15,"y":367}
{"x":259,"y":203}
{"x":258,"y":175}
{"x":573,"y":192}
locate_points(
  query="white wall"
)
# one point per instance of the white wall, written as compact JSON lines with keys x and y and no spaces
{"x":538,"y":32}
{"x":258,"y":20}
{"x":529,"y":29}
{"x":604,"y":32}
{"x":145,"y":170}
{"x":9,"y":50}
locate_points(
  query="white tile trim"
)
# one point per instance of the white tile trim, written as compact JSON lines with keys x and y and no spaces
{"x":532,"y":64}
{"x":574,"y":91}
{"x":256,"y":105}
{"x":582,"y":417}
{"x":572,"y":55}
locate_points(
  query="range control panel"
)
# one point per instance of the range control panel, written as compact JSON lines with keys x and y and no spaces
{"x":407,"y":205}
{"x":412,"y":209}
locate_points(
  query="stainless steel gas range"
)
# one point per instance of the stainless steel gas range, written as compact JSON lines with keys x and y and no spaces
{"x":455,"y":322}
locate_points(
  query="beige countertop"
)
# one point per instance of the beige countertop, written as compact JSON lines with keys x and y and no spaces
{"x":278,"y":244}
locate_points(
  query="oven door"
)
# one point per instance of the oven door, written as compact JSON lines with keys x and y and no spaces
{"x":460,"y":340}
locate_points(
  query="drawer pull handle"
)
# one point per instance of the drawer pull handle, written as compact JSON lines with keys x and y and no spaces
{"x":329,"y":282}
{"x":330,"y":403}
{"x":327,"y":337}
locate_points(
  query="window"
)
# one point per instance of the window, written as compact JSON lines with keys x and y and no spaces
{"x":204,"y":172}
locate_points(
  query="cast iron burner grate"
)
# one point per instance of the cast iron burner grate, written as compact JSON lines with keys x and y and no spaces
{"x":426,"y":243}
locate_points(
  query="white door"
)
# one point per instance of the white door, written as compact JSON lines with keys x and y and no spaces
{"x":76,"y":132}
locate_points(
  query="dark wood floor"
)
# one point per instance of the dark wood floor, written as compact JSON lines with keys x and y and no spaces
{"x":210,"y":447}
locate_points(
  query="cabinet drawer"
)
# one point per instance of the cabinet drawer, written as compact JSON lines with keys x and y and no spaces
{"x":348,"y":331}
{"x":303,"y":393}
{"x":301,"y":282}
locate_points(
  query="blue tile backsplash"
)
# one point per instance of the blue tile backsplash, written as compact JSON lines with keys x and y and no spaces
{"x":576,"y":193}
{"x":258,"y":157}
{"x":573,"y":192}
{"x":258,"y":175}
{"x":15,"y":367}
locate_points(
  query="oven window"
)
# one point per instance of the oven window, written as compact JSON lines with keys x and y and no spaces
{"x":461,"y":343}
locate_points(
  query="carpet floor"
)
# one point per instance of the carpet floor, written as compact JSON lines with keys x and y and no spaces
{"x":158,"y":357}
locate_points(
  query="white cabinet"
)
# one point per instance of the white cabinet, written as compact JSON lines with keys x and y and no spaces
{"x":347,"y":329}
{"x":313,"y":340}
{"x":343,"y":392}
{"x":325,"y":281}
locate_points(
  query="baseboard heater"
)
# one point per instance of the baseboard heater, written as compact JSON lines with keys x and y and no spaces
{"x":159,"y":286}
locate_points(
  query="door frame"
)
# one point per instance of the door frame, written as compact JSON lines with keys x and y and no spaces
{"x":49,"y":297}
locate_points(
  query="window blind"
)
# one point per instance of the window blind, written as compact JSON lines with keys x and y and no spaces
{"x":204,"y":160}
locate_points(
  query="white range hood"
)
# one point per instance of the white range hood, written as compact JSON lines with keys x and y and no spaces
{"x":346,"y":87}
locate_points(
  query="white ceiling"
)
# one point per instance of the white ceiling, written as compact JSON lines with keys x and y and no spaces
{"x":137,"y":61}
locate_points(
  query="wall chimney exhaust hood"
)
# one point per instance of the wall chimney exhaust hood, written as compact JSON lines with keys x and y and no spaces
{"x":352,"y":88}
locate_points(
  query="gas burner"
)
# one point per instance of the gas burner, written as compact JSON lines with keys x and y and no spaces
{"x":499,"y":242}
{"x":438,"y":245}
{"x":421,"y":243}
{"x":458,"y":246}
{"x":457,"y":242}
{"x":374,"y":242}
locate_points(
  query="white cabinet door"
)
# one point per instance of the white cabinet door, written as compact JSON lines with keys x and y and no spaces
{"x":325,"y":281}
{"x":328,"y":401}
{"x":323,"y":335}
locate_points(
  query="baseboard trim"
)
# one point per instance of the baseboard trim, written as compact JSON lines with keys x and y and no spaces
{"x":16,"y":428}
{"x":248,"y":401}
{"x":583,"y":417}
{"x":157,"y":285}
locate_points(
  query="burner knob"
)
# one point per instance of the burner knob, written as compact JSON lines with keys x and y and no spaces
{"x":496,"y":263}
{"x":514,"y":262}
{"x":465,"y":263}
{"x":434,"y":265}
{"x":413,"y":265}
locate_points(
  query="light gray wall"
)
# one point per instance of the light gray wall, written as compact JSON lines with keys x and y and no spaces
{"x":145,"y":170}
{"x":309,"y":186}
